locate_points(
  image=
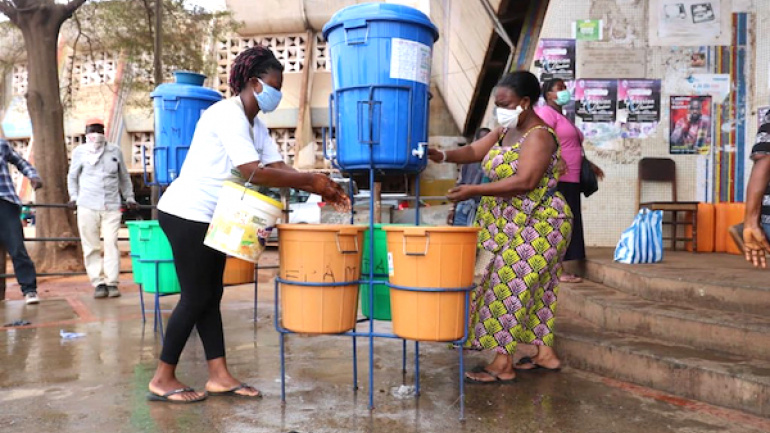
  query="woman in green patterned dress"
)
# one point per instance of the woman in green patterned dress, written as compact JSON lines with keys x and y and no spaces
{"x":526,"y":227}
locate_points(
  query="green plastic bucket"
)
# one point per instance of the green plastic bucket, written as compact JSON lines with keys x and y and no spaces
{"x":381,"y":291}
{"x":133,"y":240}
{"x":148,"y":242}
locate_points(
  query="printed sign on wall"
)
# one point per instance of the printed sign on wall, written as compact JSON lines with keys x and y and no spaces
{"x":587,"y":30}
{"x":596,"y":100}
{"x":690,"y":123}
{"x":555,"y":58}
{"x":690,"y":22}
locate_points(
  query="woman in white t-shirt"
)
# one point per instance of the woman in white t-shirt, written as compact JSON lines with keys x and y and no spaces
{"x":227,"y":136}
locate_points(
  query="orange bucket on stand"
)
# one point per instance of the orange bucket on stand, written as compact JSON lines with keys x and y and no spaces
{"x":430,"y":258}
{"x":320,"y":253}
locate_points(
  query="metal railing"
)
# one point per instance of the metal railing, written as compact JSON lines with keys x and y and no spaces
{"x":3,"y":260}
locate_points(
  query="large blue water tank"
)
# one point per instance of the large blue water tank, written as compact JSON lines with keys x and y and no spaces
{"x":381,"y":59}
{"x":178,"y":106}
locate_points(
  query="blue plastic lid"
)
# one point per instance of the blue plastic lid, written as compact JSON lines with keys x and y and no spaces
{"x":379,"y":12}
{"x":189,"y":77}
{"x":175,"y":90}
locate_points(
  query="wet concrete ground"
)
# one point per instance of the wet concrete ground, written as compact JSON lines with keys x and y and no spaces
{"x":98,"y":383}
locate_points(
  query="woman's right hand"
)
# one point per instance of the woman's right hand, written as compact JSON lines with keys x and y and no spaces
{"x":331,"y":192}
{"x":436,"y":155}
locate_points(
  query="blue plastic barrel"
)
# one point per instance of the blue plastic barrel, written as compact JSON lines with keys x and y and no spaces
{"x":381,"y":59}
{"x":177,"y":107}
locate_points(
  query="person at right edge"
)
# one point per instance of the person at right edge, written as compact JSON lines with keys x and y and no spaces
{"x":525,"y":227}
{"x":228,"y":135}
{"x":756,"y":220}
{"x":557,"y":96}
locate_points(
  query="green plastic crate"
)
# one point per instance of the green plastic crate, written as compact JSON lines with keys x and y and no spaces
{"x":148,"y":241}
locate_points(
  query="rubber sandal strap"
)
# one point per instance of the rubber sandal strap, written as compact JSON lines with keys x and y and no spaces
{"x":178,"y":391}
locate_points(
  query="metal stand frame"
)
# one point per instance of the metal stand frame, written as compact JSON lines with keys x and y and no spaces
{"x":372,"y":278}
{"x":157,"y":312}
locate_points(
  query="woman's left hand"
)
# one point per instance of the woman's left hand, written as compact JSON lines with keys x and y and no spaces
{"x":597,"y":171}
{"x":460,"y":193}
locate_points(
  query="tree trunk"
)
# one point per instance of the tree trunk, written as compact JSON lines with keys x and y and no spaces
{"x":41,"y":30}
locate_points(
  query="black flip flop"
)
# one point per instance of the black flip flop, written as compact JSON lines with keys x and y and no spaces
{"x":151,"y":396}
{"x":497,"y":378}
{"x":527,"y":360}
{"x":234,"y":392}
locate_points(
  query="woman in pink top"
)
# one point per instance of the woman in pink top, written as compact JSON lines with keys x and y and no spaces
{"x":556,"y":96}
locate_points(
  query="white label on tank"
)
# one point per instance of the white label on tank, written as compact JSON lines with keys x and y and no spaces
{"x":409,"y":60}
{"x":391,"y":271}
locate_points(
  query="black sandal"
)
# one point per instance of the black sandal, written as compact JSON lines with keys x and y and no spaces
{"x":498,"y":379}
{"x":151,"y":396}
{"x":234,"y":392}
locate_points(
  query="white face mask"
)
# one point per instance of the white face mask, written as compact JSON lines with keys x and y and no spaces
{"x":507,"y":117}
{"x":96,"y":140}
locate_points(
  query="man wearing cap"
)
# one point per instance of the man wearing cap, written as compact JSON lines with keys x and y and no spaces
{"x":97,"y":179}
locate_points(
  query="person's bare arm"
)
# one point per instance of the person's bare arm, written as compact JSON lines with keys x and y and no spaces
{"x":534,"y":158}
{"x":280,"y":165}
{"x":315,"y":183}
{"x":755,"y":241}
{"x":473,"y":152}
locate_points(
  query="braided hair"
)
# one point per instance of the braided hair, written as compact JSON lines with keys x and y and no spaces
{"x":252,"y":62}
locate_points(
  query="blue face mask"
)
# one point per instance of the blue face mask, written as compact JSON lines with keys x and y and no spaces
{"x":269,"y":99}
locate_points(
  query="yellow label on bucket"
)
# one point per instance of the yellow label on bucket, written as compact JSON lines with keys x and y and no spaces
{"x":391,"y":270}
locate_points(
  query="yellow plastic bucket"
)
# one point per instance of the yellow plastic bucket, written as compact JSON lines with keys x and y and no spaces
{"x":434,"y":258}
{"x":241,"y":220}
{"x":320,"y":253}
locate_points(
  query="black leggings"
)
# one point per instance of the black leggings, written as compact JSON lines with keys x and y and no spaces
{"x":577,"y":247}
{"x":200,"y":270}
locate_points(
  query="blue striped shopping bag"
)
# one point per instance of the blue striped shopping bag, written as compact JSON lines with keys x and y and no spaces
{"x":643,"y":241}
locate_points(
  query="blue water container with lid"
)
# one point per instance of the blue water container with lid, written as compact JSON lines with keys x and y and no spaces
{"x":381,"y":59}
{"x":177,"y":106}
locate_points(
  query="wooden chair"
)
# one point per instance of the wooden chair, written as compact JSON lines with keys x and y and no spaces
{"x":664,"y":170}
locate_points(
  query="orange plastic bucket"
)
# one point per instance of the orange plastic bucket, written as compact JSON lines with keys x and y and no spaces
{"x":320,"y":253}
{"x":433,"y":258}
{"x":238,"y":271}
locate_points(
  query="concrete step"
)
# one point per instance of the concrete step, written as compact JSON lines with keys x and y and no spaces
{"x":720,"y":379}
{"x":613,"y":310}
{"x":712,"y":281}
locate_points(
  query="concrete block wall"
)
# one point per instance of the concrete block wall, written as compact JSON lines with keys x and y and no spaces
{"x":608,"y":212}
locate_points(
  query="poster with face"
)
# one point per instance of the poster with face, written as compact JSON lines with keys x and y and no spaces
{"x":690,"y":125}
{"x":596,"y":100}
{"x":555,"y":58}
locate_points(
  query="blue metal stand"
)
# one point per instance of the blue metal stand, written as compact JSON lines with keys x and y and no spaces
{"x":157,"y":312}
{"x":370,"y":138}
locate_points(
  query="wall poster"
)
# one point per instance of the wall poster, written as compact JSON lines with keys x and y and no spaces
{"x":638,"y":107}
{"x":596,"y":100}
{"x":587,"y":30}
{"x":555,"y":58}
{"x":690,"y":125}
{"x":690,"y":22}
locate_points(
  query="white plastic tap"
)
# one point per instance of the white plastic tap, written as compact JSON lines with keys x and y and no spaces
{"x":420,"y":151}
